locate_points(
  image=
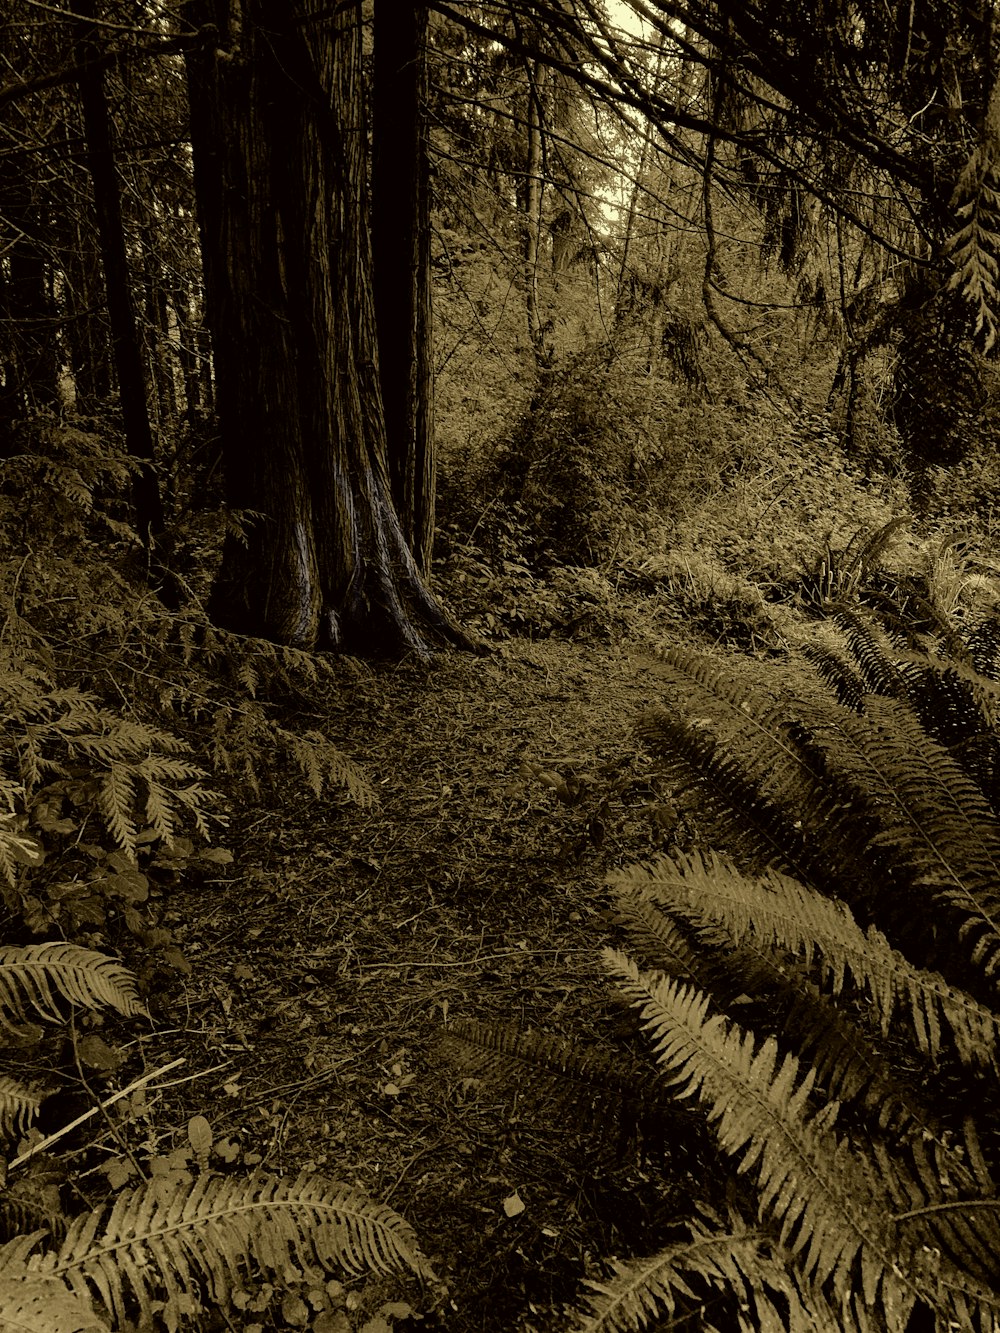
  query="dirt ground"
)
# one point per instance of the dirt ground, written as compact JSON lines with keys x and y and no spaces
{"x":328,"y":958}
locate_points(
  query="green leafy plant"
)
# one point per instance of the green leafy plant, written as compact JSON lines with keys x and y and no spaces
{"x":825,"y":990}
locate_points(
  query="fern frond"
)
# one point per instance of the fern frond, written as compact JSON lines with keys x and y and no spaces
{"x":974,"y":246}
{"x":942,"y":1210}
{"x":323,"y":765}
{"x":582,"y":1085}
{"x":173,"y":1241}
{"x":727,"y":800}
{"x":781,"y":913}
{"x":838,"y":672}
{"x":30,"y":1304}
{"x":742,"y":751}
{"x":938,"y":831}
{"x":161,"y":812}
{"x":32,"y":975}
{"x":984,"y":648}
{"x":875,"y":654}
{"x":960,"y":708}
{"x":792,"y":1007}
{"x":19,"y":1103}
{"x":31,"y":1203}
{"x":868,"y":545}
{"x":826,"y":1207}
{"x":741,"y":1263}
{"x":117,"y":802}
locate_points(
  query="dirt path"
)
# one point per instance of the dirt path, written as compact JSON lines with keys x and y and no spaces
{"x":327,"y":963}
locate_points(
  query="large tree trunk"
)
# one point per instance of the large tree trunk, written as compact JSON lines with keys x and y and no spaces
{"x":279,"y":149}
{"x":402,"y":265}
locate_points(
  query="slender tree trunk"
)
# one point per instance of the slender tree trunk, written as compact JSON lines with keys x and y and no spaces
{"x":277,"y":122}
{"x":533,"y":195}
{"x":86,"y":320}
{"x":402,"y":265}
{"x":121,"y":313}
{"x":29,"y":363}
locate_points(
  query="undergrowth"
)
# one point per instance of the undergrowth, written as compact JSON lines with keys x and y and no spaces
{"x":129,"y":730}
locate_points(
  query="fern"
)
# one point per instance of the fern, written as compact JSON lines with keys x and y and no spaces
{"x":744,"y":1262}
{"x":778,"y":912}
{"x":324,"y":765}
{"x":30,"y":1304}
{"x":738,"y":750}
{"x":238,"y":739}
{"x":52,"y":729}
{"x":861,"y":766}
{"x":32,"y":975}
{"x":827,"y":1208}
{"x":974,"y":247}
{"x":938,"y":832}
{"x":838,"y":576}
{"x":785,"y":998}
{"x":19,"y":1103}
{"x":587,"y":1088}
{"x":176,"y":1243}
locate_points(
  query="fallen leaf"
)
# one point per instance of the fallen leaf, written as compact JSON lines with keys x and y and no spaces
{"x":200,"y":1135}
{"x":95,"y":1052}
{"x":514,"y":1205}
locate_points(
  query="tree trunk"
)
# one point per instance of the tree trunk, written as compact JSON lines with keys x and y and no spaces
{"x":28,"y":357}
{"x":87,"y":341}
{"x":114,"y":257}
{"x":402,"y":265}
{"x":278,"y":130}
{"x":533,"y":195}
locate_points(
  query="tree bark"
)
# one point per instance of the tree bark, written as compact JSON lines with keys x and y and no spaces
{"x":277,"y":123}
{"x":402,"y":265}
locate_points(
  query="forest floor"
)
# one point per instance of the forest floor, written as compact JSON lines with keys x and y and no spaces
{"x":330,"y":956}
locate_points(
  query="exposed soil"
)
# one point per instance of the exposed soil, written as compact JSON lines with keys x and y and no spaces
{"x":329,"y":956}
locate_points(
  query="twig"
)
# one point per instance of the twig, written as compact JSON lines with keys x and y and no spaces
{"x":94,"y":1110}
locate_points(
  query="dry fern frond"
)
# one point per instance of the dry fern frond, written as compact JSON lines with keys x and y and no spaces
{"x":175,"y":1242}
{"x":32,"y":975}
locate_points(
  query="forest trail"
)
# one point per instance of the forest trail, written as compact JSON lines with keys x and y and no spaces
{"x":325,"y":968}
